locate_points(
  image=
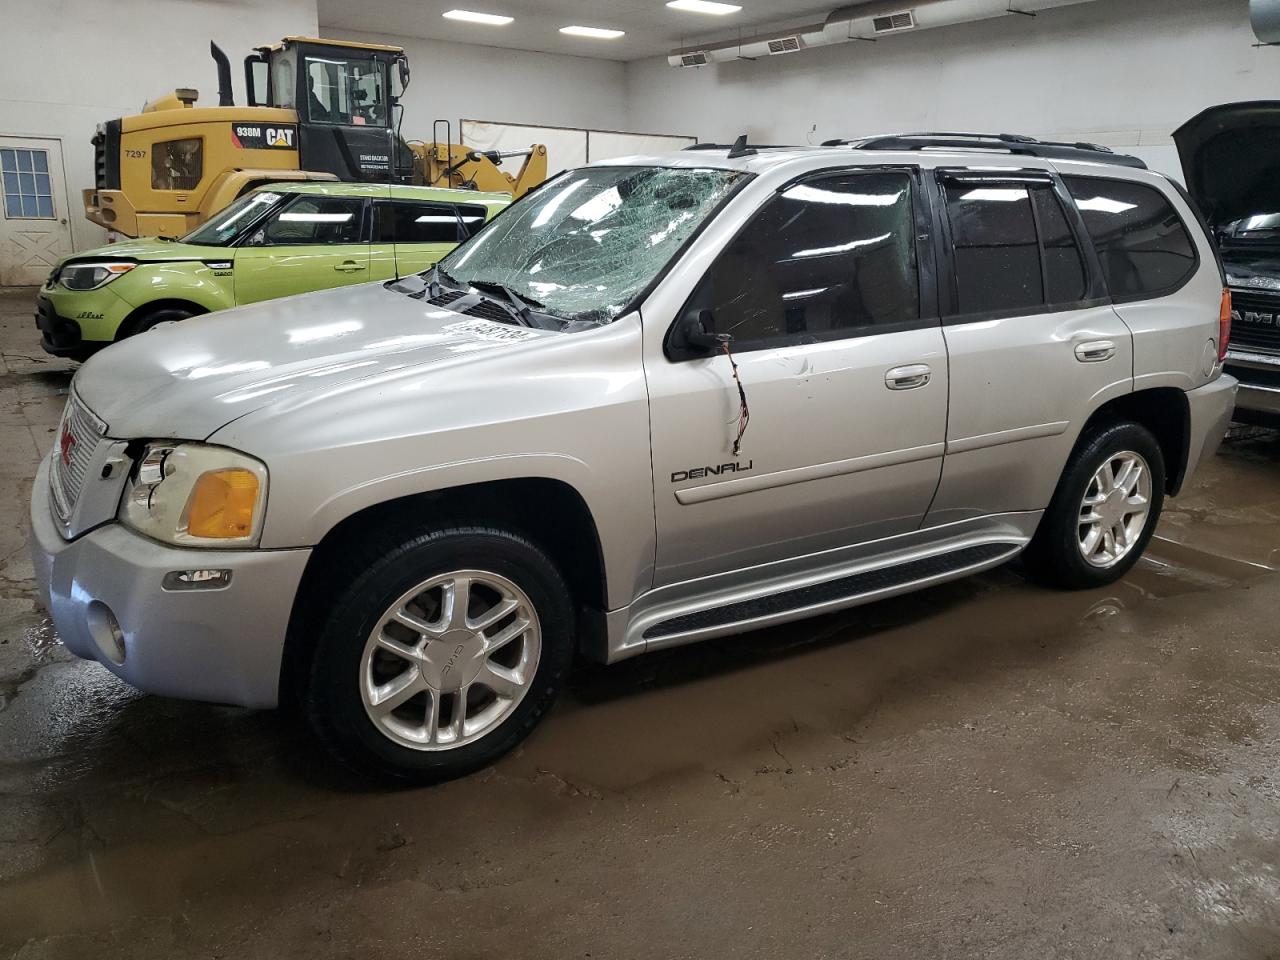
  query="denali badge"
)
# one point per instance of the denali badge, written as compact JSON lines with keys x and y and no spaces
{"x":698,"y":473}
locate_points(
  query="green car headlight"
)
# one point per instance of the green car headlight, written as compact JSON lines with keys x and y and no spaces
{"x":90,"y":276}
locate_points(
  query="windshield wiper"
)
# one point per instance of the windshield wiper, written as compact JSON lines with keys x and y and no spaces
{"x":493,"y":286}
{"x":524,"y":307}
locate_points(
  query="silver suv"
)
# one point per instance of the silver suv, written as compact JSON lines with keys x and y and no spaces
{"x":657,"y":400}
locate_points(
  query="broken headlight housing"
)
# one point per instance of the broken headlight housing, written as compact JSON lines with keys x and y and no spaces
{"x":196,"y":494}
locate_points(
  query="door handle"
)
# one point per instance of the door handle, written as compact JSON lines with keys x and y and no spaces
{"x":908,"y":377}
{"x":348,"y":266}
{"x":1095,"y":351}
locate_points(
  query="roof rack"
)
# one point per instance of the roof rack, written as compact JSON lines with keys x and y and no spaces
{"x":998,"y":142}
{"x":731,"y":146}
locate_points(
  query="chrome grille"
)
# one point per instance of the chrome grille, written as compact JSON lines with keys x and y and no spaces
{"x":78,"y":436}
{"x":1255,"y":321}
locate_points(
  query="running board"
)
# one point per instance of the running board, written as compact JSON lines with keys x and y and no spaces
{"x":853,"y":589}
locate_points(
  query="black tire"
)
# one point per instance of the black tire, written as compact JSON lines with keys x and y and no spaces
{"x":361,"y":587}
{"x":145,"y":321}
{"x":1054,"y":556}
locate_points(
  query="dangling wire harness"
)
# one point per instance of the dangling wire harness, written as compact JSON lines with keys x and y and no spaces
{"x":744,"y":412}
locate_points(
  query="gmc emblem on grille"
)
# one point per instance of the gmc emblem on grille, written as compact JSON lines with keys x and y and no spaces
{"x":1254,"y":318}
{"x":65,"y":443}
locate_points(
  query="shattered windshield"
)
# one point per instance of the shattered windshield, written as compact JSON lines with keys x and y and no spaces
{"x":584,"y":246}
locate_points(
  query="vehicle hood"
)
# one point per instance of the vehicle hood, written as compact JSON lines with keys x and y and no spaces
{"x":148,"y":249}
{"x":1231,"y":160}
{"x":186,"y":380}
{"x":1252,"y":270}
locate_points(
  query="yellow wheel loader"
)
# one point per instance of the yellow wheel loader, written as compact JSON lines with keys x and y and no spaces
{"x":317,"y":110}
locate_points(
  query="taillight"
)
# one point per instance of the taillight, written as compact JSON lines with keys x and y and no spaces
{"x":1224,"y":326}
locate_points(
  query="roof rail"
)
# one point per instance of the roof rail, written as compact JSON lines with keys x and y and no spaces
{"x":1000,"y":142}
{"x":731,"y":146}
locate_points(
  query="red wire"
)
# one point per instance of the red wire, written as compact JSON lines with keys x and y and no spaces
{"x":744,"y":412}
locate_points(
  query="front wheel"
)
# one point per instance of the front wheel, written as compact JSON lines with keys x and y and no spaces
{"x":152,"y":319}
{"x":1105,"y":509}
{"x":442,"y":653}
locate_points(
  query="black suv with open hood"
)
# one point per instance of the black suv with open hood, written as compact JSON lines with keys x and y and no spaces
{"x":1231,"y":160}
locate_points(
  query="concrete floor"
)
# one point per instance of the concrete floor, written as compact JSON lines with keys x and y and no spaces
{"x":985,"y":770}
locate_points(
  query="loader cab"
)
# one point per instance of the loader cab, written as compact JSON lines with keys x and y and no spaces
{"x":348,"y":109}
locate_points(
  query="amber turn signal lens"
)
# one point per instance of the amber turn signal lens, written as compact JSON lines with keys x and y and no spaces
{"x":222,"y":504}
{"x":1224,"y":326}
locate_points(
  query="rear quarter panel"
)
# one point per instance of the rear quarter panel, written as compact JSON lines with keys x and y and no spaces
{"x":1174,"y":335}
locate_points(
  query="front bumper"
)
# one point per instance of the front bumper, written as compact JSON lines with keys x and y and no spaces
{"x":1259,"y":376}
{"x":1211,"y":407}
{"x":221,"y":645}
{"x":62,"y":337}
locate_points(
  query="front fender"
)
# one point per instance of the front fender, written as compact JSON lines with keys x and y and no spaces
{"x":192,"y":281}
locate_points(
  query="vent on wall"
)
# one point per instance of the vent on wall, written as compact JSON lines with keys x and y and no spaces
{"x":699,"y":58}
{"x":894,"y":22}
{"x":784,"y":45}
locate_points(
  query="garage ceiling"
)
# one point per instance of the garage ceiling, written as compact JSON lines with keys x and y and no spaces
{"x":651,"y":28}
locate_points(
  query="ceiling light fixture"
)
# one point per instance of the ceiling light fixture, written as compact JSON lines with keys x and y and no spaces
{"x":596,"y":33}
{"x":704,"y":6}
{"x":490,"y":19}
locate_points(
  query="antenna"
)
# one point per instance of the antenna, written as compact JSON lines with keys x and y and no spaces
{"x":740,"y":148}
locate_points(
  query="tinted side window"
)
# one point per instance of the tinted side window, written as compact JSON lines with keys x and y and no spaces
{"x":314,"y":219}
{"x":824,"y":259}
{"x":1142,"y":242}
{"x":997,"y":255}
{"x":410,"y":221}
{"x":402,"y":221}
{"x":1064,"y":277}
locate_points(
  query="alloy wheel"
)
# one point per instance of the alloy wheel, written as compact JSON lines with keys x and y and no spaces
{"x":450,"y":660}
{"x":1114,"y":511}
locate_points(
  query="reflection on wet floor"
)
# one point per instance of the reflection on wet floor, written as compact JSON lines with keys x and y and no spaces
{"x":983,"y":769}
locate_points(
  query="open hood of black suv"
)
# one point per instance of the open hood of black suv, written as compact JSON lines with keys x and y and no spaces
{"x":1231,"y":160}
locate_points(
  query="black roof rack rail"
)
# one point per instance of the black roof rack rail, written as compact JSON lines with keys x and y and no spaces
{"x":1003,"y":142}
{"x":730,"y":146}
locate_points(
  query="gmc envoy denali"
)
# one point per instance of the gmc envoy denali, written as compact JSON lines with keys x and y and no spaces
{"x":657,"y":400}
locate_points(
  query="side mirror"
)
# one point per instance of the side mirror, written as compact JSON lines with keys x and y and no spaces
{"x":694,"y":330}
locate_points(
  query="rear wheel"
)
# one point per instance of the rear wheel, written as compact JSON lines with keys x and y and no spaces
{"x":1105,"y":509}
{"x":441,"y":653}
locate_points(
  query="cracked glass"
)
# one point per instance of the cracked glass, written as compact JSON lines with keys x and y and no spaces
{"x":587,"y":244}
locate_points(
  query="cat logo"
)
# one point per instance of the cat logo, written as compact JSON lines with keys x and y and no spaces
{"x":280,"y":136}
{"x":250,"y":136}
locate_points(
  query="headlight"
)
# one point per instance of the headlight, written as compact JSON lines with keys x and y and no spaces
{"x":90,"y":276}
{"x":192,"y":494}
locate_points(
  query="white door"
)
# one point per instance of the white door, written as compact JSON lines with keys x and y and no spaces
{"x":33,"y":221}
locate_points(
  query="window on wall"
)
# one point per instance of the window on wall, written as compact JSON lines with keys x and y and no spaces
{"x":1142,"y":243}
{"x":827,"y":258}
{"x":28,"y":189}
{"x":1013,"y":247}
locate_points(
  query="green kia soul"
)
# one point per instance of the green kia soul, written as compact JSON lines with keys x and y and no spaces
{"x":277,"y":240}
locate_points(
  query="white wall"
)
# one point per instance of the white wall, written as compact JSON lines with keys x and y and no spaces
{"x":457,"y":81}
{"x":1126,"y":72}
{"x":68,"y":65}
